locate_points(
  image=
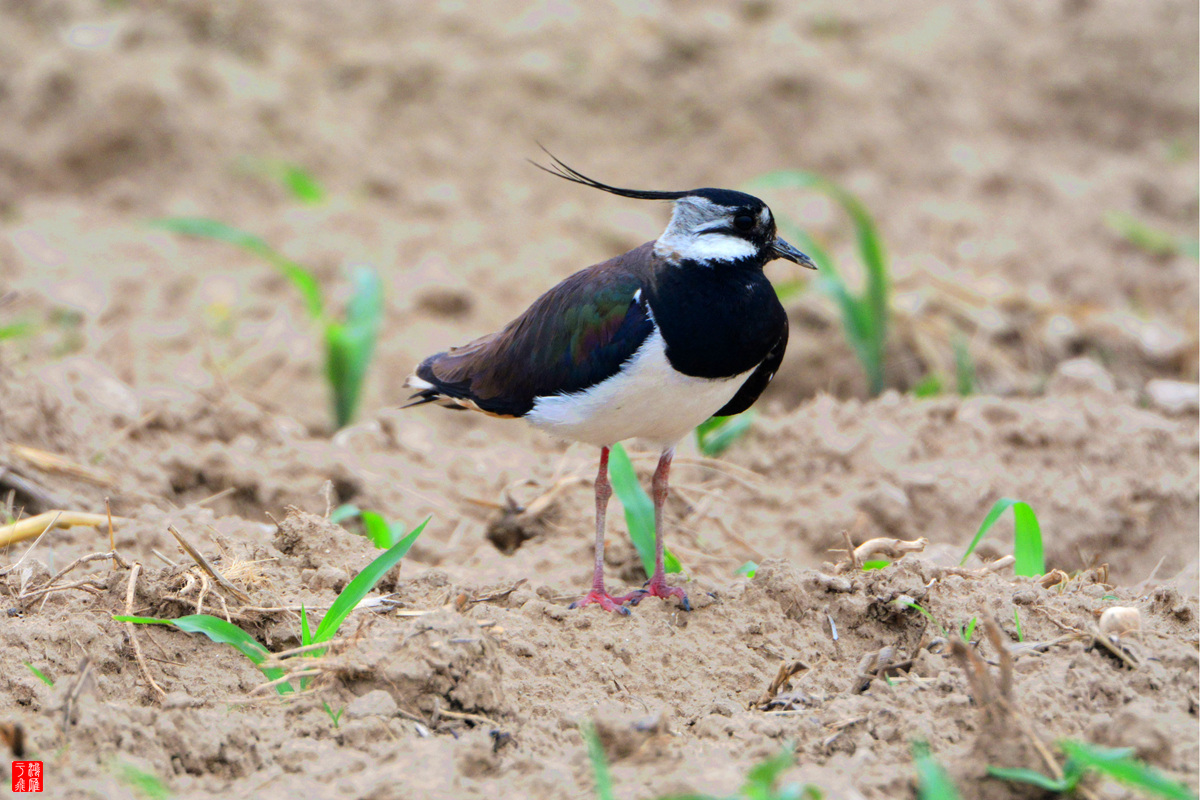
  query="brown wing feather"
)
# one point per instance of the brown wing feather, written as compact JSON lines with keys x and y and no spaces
{"x":573,"y":336}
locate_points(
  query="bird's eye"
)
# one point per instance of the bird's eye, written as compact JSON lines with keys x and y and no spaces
{"x":743,"y":222}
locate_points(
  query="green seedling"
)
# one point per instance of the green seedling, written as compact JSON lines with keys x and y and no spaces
{"x":639,"y":510}
{"x":383,"y":534}
{"x":964,"y":366}
{"x":865,"y":316}
{"x":969,"y":631}
{"x":600,"y":772}
{"x":1017,"y":620}
{"x":904,"y":602}
{"x":933,"y":384}
{"x":715,"y":435}
{"x":1152,"y":240}
{"x":929,"y":386}
{"x":1027,"y":543}
{"x":877,"y":563}
{"x":301,"y":184}
{"x":15,"y":330}
{"x":356,"y":590}
{"x":749,"y":569}
{"x":343,"y":513}
{"x":37,"y":673}
{"x":144,"y":784}
{"x":334,"y":716}
{"x":932,"y":781}
{"x":1117,"y":764}
{"x":762,"y":783}
{"x":349,"y":342}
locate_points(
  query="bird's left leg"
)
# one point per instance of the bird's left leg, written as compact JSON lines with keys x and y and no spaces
{"x":657,"y":586}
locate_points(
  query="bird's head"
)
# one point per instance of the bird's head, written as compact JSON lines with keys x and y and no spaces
{"x":708,"y":226}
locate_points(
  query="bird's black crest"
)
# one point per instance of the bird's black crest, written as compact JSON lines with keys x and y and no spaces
{"x":563,"y":171}
{"x":722,"y":197}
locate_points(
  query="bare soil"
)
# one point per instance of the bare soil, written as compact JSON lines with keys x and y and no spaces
{"x":989,"y":140}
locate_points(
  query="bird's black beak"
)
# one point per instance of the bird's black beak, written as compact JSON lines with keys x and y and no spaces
{"x":782,"y":249}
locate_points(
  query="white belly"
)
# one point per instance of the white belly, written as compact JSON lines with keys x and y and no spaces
{"x":648,"y":399}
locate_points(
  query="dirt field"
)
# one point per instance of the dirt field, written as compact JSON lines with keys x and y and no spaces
{"x":991,"y":142}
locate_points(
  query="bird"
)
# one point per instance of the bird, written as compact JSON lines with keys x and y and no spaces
{"x":645,"y":345}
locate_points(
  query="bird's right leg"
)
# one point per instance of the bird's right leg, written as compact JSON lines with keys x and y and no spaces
{"x":599,"y":595}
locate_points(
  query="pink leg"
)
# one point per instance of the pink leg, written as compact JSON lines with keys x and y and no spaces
{"x":598,"y":594}
{"x":657,"y":586}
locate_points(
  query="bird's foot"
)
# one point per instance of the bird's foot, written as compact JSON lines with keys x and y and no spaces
{"x":657,"y":587}
{"x":604,"y":600}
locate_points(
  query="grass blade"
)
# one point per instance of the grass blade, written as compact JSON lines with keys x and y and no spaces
{"x":929,"y":386}
{"x":377,"y":529}
{"x":1119,"y":765}
{"x":349,"y":345}
{"x":964,"y":366}
{"x":300,"y":183}
{"x":762,"y":778}
{"x":220,"y":632}
{"x":344,"y":512}
{"x":639,"y":510}
{"x":37,"y":673}
{"x":206,"y":228}
{"x":362,"y":584}
{"x":865,"y":317}
{"x":1027,"y":540}
{"x":1154,"y":241}
{"x":305,"y":633}
{"x":716,"y":434}
{"x":932,"y":781}
{"x":145,"y":784}
{"x":15,"y":330}
{"x":1021,"y":775}
{"x":600,"y":771}
{"x":749,"y":569}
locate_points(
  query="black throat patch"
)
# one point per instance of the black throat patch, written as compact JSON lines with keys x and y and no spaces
{"x":717,"y":319}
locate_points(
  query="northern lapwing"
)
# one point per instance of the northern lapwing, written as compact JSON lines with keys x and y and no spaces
{"x":645,"y":345}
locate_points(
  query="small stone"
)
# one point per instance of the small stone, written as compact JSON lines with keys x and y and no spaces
{"x":1120,"y":620}
{"x":1160,"y":343}
{"x":180,"y":699}
{"x":1081,"y":375}
{"x":724,"y":707}
{"x":1025,"y":597}
{"x":376,"y":703}
{"x":1174,"y":397}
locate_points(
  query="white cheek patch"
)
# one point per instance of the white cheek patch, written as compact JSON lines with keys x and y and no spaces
{"x":765,"y":216}
{"x":713,"y":247}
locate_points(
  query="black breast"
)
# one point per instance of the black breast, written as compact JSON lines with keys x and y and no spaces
{"x":717,"y":321}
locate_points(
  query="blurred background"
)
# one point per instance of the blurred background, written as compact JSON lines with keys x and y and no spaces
{"x":229,"y":230}
{"x":1031,"y":169}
